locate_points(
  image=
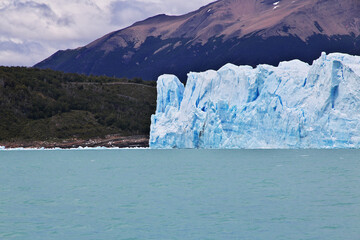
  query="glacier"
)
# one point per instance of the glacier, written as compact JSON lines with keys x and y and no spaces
{"x":294,"y":105}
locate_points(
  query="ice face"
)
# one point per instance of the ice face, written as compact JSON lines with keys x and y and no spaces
{"x":294,"y":105}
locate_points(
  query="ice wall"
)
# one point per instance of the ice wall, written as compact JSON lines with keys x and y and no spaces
{"x":294,"y":105}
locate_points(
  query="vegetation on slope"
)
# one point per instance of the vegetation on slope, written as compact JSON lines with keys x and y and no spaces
{"x":49,"y":105}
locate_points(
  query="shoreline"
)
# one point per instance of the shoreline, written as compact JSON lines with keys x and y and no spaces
{"x":111,"y":141}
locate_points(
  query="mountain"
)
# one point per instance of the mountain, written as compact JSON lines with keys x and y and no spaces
{"x":241,"y":32}
{"x":294,"y":105}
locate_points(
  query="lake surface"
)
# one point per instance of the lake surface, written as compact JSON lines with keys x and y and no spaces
{"x":180,"y":194}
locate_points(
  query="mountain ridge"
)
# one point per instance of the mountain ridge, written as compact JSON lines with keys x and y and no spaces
{"x":282,"y":30}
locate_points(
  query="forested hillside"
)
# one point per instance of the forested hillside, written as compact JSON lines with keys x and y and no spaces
{"x":49,"y":105}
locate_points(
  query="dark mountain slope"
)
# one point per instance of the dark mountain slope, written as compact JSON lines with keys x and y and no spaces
{"x":237,"y":31}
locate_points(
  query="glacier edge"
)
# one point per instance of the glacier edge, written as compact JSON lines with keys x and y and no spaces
{"x":293,"y":105}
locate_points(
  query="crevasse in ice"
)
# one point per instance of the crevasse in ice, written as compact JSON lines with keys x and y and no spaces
{"x":293,"y":105}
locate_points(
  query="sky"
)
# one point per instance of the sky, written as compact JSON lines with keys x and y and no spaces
{"x":32,"y":30}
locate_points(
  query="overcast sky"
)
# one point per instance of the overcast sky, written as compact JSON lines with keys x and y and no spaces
{"x":31,"y":30}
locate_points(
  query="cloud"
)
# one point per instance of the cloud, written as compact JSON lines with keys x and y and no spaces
{"x":130,"y":11}
{"x":14,"y":51}
{"x":32,"y":30}
{"x":126,"y":12}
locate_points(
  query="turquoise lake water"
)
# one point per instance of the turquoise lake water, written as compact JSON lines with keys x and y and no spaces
{"x":180,"y":194}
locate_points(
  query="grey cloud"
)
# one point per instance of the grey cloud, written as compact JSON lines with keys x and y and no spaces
{"x":26,"y":47}
{"x":65,"y":21}
{"x":44,"y":9}
{"x":20,"y":54}
{"x":41,"y":9}
{"x":127,"y":12}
